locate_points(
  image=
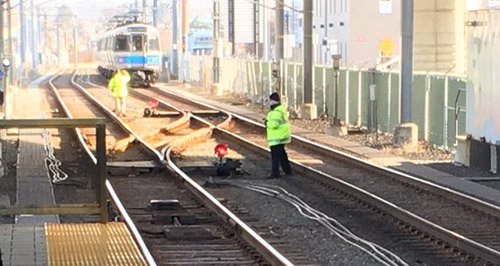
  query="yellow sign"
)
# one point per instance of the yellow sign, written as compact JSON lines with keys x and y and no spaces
{"x":386,"y":47}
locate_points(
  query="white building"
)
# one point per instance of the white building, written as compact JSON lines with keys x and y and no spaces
{"x":367,"y":32}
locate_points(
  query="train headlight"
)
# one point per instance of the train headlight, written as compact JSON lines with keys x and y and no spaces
{"x":120,"y":60}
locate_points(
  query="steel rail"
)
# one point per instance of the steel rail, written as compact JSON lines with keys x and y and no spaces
{"x":443,"y":191}
{"x":122,"y":124}
{"x":253,"y":238}
{"x":453,"y":238}
{"x":458,"y":196}
{"x":128,"y":222}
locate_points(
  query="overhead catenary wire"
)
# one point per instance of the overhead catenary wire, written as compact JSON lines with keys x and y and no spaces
{"x":380,"y":254}
{"x":274,"y":8}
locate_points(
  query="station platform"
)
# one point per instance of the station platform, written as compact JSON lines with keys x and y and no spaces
{"x":42,"y":239}
{"x":379,"y":157}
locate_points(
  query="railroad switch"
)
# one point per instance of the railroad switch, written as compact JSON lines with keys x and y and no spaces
{"x":152,"y":110}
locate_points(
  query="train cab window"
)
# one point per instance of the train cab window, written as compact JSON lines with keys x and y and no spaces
{"x":137,"y":43}
{"x":122,"y":43}
{"x":154,"y":45}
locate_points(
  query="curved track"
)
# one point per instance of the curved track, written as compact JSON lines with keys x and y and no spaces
{"x":196,"y":230}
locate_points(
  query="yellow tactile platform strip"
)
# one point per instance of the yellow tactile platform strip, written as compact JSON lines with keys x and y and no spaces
{"x":91,"y":244}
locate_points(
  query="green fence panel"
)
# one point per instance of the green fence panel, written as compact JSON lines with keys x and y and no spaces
{"x":418,"y":103}
{"x":366,"y":110}
{"x":393,"y":120}
{"x":329,"y":92}
{"x":319,"y":97}
{"x":300,"y":86}
{"x":290,"y":85}
{"x":436,"y":110}
{"x":382,"y":98}
{"x":353,"y":96}
{"x":342,"y":94}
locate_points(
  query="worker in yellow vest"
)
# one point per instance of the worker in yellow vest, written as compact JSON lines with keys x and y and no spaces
{"x":119,"y":88}
{"x":278,"y":135}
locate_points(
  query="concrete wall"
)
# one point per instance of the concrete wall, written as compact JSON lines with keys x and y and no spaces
{"x":355,"y":29}
{"x":369,"y":27}
{"x":483,"y":94}
{"x":439,"y":36}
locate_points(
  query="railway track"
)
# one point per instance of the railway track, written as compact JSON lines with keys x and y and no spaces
{"x":447,"y":219}
{"x":187,"y":227}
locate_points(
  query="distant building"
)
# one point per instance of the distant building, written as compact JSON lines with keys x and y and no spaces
{"x":368,"y":32}
{"x":357,"y":30}
{"x":483,"y":121}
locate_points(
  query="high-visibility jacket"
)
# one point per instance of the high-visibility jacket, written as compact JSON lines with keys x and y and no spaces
{"x":277,"y":126}
{"x":119,"y":84}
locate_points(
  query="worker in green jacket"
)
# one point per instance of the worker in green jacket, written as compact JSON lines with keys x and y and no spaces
{"x":119,"y":88}
{"x":278,"y":135}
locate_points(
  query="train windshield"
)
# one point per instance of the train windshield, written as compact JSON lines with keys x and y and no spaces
{"x":122,"y":43}
{"x":154,"y":44}
{"x":137,"y":43}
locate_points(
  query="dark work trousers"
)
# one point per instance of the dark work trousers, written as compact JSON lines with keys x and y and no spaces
{"x":279,"y":156}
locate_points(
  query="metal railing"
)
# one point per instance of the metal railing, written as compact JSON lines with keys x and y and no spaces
{"x":99,"y":208}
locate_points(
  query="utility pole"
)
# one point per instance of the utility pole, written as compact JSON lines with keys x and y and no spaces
{"x":45,"y":39}
{"x":39,"y":36}
{"x":230,"y":26}
{"x":11,"y":53}
{"x":256,"y":28}
{"x":144,"y":11}
{"x":406,"y":134}
{"x":280,"y":44}
{"x":23,"y":32}
{"x":325,"y":39}
{"x":33,"y":38}
{"x":2,"y":48}
{"x":265,"y":27}
{"x":280,"y":31}
{"x":184,"y":26}
{"x":155,"y":13}
{"x":216,"y":48}
{"x":406,"y":60}
{"x":308,"y":110}
{"x":175,"y":27}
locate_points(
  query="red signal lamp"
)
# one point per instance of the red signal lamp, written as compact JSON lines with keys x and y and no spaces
{"x":221,"y":150}
{"x":153,"y":104}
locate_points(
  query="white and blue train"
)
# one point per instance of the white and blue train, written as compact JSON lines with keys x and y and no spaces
{"x":134,"y":47}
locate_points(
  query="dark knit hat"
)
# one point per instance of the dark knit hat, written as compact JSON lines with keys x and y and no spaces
{"x":275,"y":97}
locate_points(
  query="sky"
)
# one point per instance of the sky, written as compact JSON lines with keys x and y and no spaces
{"x":90,"y":9}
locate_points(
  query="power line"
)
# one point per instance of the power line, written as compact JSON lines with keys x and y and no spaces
{"x":274,"y":8}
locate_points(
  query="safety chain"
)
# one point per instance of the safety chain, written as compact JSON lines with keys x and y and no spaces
{"x":51,"y":162}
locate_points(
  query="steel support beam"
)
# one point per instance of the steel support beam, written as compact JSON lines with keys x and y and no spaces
{"x":308,"y":51}
{"x":175,"y":37}
{"x":406,"y":77}
{"x":280,"y":31}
